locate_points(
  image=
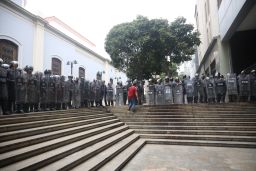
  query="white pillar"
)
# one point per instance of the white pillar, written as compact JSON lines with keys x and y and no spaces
{"x":38,"y":49}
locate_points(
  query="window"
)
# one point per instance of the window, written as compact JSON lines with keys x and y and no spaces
{"x":81,"y":72}
{"x":56,"y":66}
{"x":213,"y":67}
{"x":8,"y":51}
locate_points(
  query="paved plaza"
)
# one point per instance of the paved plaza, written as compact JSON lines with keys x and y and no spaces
{"x":192,"y":158}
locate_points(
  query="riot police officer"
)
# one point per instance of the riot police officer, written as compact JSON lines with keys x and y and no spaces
{"x":210,"y":89}
{"x":44,"y":84}
{"x":232,"y":87}
{"x":119,"y":94}
{"x":110,"y":94}
{"x":168,"y":96}
{"x":3,"y":87}
{"x":77,"y":94}
{"x":188,"y":86}
{"x":159,"y":96}
{"x":59,"y":85}
{"x":220,"y":88}
{"x":32,"y":93}
{"x":177,"y":91}
{"x":198,"y":89}
{"x":253,"y":86}
{"x":151,"y":92}
{"x":11,"y":78}
{"x":21,"y":91}
{"x":244,"y":86}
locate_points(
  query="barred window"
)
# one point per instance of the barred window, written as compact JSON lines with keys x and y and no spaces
{"x":81,"y":72}
{"x":8,"y":51}
{"x":56,"y":66}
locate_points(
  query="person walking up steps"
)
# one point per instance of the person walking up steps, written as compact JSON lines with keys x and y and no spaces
{"x":132,"y":96}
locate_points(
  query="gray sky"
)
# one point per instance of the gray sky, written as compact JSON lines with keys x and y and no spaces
{"x":94,"y":18}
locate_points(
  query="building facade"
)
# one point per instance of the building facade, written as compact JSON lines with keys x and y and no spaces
{"x":227,"y":32}
{"x":32,"y":40}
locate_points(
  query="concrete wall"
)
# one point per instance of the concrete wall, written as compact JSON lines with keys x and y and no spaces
{"x":228,"y":11}
{"x":206,"y":22}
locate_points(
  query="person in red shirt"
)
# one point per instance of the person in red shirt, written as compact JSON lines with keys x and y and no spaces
{"x":132,"y":96}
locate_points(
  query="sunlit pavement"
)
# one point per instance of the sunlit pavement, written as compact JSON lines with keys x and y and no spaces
{"x":192,"y":158}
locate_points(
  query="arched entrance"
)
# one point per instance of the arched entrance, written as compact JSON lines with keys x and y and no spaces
{"x":8,"y":51}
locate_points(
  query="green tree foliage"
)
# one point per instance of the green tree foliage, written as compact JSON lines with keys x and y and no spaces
{"x":145,"y":47}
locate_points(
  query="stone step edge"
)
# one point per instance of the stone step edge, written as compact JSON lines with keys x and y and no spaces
{"x":48,"y":113}
{"x":47,"y":117}
{"x":34,"y":152}
{"x":114,"y":153}
{"x":52,"y":122}
{"x":118,"y":165}
{"x":232,"y":144}
{"x":46,"y":129}
{"x":58,"y":134}
{"x":57,"y":157}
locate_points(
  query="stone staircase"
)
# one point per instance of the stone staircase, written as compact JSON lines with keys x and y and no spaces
{"x":83,"y":139}
{"x":224,"y":125}
{"x":92,"y":139}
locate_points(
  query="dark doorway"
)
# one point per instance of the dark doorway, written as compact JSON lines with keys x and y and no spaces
{"x":243,"y":50}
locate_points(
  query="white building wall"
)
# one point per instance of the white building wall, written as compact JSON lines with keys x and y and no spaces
{"x":207,"y":24}
{"x":20,"y":30}
{"x":39,"y":43}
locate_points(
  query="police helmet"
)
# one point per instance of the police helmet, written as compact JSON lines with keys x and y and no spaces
{"x":14,"y":63}
{"x":6,"y":66}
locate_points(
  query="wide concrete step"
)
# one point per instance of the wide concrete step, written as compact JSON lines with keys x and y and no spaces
{"x":45,"y":116}
{"x":189,"y":119}
{"x":196,"y":132}
{"x":52,"y":113}
{"x":200,"y":111}
{"x":167,"y":127}
{"x":102,"y":158}
{"x":29,"y":151}
{"x":185,"y":115}
{"x":202,"y":143}
{"x":44,"y":129}
{"x":27,"y":125}
{"x":35,"y":139}
{"x":120,"y":160}
{"x":193,"y":123}
{"x":57,"y":158}
{"x":85,"y":153}
{"x":200,"y":137}
{"x":202,"y":105}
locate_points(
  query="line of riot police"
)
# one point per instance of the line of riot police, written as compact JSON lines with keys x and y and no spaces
{"x":22,"y":91}
{"x":210,"y":89}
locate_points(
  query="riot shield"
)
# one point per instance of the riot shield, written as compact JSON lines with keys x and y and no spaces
{"x":231,"y":84}
{"x":189,"y":88}
{"x":159,"y":94}
{"x":210,"y":89}
{"x":168,"y":96}
{"x":119,"y":96}
{"x":178,"y":94}
{"x":244,"y":86}
{"x":151,"y":95}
